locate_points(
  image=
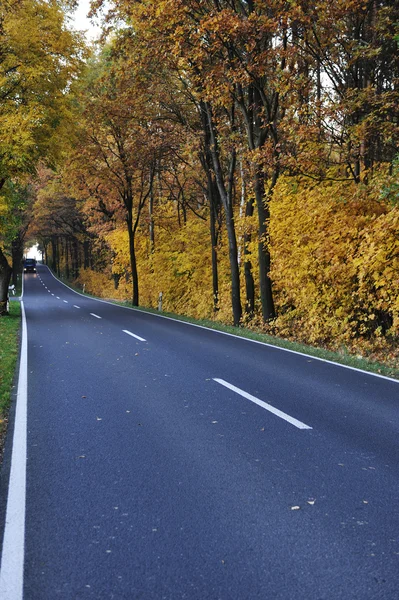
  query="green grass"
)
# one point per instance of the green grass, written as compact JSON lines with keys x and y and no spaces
{"x":9,"y":343}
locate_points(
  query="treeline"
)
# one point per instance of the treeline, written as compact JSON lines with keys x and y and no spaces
{"x":39,"y":57}
{"x":238,"y":157}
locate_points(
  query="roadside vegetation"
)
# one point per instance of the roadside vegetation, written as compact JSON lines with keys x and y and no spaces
{"x":240,"y":159}
{"x":9,"y":344}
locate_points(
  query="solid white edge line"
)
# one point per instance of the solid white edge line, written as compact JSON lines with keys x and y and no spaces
{"x":12,"y":560}
{"x":134,"y":335}
{"x":23,"y":287}
{"x":239,"y":337}
{"x":264,"y":405}
{"x":94,"y":315}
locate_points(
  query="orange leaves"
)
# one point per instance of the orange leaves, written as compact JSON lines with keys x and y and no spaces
{"x":335,"y":263}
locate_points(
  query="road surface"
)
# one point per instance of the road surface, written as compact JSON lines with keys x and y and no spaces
{"x":168,"y":461}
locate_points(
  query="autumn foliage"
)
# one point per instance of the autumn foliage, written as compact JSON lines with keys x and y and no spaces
{"x":241,"y":159}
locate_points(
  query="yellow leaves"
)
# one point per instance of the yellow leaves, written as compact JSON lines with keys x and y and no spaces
{"x":39,"y":56}
{"x":335,"y":262}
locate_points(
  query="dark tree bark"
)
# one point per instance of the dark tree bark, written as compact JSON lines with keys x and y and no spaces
{"x":249,"y":280}
{"x":226,"y":195}
{"x":86,"y":254}
{"x":17,"y":257}
{"x":213,"y":196}
{"x":265,"y":283}
{"x":5,"y":276}
{"x":54,"y":253}
{"x":132,"y":221}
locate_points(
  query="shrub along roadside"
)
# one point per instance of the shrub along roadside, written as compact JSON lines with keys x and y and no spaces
{"x":9,"y":343}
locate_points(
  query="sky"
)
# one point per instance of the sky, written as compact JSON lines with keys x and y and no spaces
{"x":81,"y":21}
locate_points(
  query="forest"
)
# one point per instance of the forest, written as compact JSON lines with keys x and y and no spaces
{"x":239,"y":157}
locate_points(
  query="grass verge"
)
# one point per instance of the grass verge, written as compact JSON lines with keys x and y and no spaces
{"x":9,"y":344}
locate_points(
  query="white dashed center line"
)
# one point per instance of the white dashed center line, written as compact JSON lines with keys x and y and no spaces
{"x":134,"y":335}
{"x":264,"y":405}
{"x":76,"y":306}
{"x":66,"y":301}
{"x":58,"y":298}
{"x":94,"y":315}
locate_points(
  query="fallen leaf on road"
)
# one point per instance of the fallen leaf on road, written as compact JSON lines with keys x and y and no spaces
{"x":295,"y":508}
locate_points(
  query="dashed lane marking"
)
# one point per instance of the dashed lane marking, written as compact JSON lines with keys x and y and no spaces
{"x":134,"y":335}
{"x":264,"y":405}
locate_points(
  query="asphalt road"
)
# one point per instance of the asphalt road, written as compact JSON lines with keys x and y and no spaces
{"x":187,"y":464}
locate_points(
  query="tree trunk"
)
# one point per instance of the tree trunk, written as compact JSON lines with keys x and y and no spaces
{"x":252,"y":109}
{"x":67,"y":267}
{"x":226,"y":196}
{"x":213,"y":208}
{"x":86,"y":254}
{"x":17,"y":257}
{"x":54,"y":253}
{"x":5,"y":276}
{"x":133,"y":262}
{"x":249,"y":280}
{"x":75,"y":258}
{"x":151,"y":218}
{"x":265,"y":283}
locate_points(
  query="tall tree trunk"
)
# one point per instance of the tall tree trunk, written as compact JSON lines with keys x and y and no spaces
{"x":213,"y":209}
{"x":226,"y":196}
{"x":265,"y":283}
{"x":214,"y":205}
{"x":5,"y":276}
{"x":248,"y":275}
{"x":54,"y":253}
{"x":251,"y":105}
{"x":67,"y":267}
{"x":86,"y":254}
{"x":75,"y":258}
{"x":133,"y":261}
{"x":131,"y":228}
{"x":44,"y":253}
{"x":249,"y":280}
{"x":151,"y":217}
{"x":17,"y":257}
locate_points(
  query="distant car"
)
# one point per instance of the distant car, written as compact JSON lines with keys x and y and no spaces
{"x":30,"y":265}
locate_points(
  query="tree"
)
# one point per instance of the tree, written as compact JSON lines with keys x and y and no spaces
{"x":39,"y":57}
{"x":117,"y":152}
